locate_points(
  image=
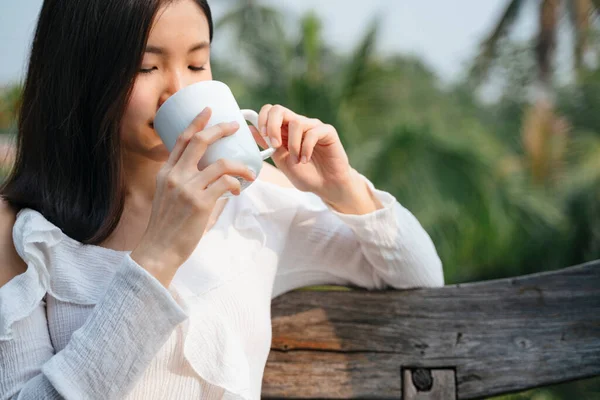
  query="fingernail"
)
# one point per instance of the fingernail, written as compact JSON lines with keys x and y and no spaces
{"x":275,"y":142}
{"x":204,"y":111}
{"x":263,"y":131}
{"x":235,"y":124}
{"x":304,"y":160}
{"x":252,"y":174}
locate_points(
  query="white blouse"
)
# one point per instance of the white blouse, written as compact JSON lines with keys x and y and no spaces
{"x":86,"y":322}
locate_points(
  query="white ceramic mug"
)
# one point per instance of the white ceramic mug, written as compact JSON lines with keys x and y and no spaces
{"x":178,"y":112}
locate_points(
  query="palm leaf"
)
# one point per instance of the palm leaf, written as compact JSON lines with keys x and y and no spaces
{"x":356,"y":72}
{"x":259,"y":34}
{"x":311,"y":45}
{"x":489,"y":47}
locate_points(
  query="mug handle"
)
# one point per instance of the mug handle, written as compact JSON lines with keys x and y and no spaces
{"x":252,"y":117}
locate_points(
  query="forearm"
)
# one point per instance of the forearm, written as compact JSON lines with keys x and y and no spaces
{"x":108,"y":353}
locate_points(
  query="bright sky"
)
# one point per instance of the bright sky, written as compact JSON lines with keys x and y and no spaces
{"x":444,"y":33}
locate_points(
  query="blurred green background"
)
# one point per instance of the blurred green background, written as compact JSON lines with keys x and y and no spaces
{"x":506,"y":183}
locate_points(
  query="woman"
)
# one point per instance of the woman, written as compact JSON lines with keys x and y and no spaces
{"x":124,"y":275}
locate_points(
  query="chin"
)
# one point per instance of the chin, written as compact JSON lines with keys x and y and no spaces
{"x":159,"y":153}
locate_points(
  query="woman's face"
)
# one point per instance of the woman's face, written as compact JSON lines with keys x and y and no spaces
{"x":177,"y":55}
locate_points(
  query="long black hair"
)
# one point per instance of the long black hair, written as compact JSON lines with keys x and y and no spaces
{"x":84,"y":60}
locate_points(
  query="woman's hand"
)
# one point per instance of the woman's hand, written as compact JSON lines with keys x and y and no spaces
{"x":185,"y":198}
{"x":312,"y":157}
{"x":309,"y":152}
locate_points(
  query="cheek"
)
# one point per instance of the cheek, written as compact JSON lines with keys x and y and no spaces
{"x":140,"y":109}
{"x":136,"y":135}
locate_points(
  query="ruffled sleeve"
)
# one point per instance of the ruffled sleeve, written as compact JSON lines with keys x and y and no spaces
{"x":33,"y":239}
{"x":133,"y":317}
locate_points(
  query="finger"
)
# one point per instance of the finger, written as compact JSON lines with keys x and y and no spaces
{"x":295,"y":133}
{"x":277,"y":116}
{"x":312,"y":137}
{"x":224,"y":184}
{"x":263,"y":115}
{"x":222,"y":167}
{"x":200,"y":141}
{"x":258,"y":138}
{"x":198,"y":124}
{"x":311,"y":123}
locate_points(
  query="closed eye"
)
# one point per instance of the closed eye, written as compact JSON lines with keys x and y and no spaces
{"x":192,"y":68}
{"x":147,"y":70}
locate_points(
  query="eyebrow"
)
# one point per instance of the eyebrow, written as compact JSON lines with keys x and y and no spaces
{"x":160,"y":50}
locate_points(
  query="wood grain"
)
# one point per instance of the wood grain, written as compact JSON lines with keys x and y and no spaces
{"x":499,"y":336}
{"x":440,"y":384}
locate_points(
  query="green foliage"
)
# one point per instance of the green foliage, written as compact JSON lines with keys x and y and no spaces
{"x":580,"y":16}
{"x":9,"y":104}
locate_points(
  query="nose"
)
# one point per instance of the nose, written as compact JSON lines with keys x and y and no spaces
{"x":173,"y":82}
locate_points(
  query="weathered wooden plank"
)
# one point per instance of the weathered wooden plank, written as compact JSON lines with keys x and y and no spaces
{"x":499,"y":336}
{"x":319,"y":374}
{"x":421,"y":384}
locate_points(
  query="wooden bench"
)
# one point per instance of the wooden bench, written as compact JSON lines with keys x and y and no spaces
{"x":457,"y":342}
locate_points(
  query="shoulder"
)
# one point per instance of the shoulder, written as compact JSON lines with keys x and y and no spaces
{"x":11,"y":264}
{"x":272,"y":175}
